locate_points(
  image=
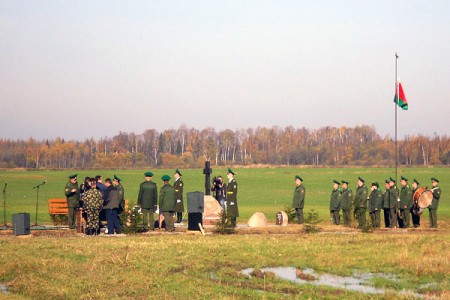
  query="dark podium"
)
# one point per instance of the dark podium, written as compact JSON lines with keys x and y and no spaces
{"x":21,"y":224}
{"x":195,"y":203}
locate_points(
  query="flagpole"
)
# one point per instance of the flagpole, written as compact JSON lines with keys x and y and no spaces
{"x":395,"y":104}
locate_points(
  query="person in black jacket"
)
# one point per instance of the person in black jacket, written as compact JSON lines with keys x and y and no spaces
{"x":111,"y":205}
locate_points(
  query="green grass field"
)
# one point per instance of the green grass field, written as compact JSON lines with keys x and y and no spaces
{"x":265,"y":190}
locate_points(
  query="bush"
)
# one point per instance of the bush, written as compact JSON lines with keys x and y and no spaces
{"x":224,"y":226}
{"x":131,"y":220}
{"x":292,"y":216}
{"x":311,"y":221}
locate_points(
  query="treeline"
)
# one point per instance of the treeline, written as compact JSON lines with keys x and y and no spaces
{"x":189,"y":148}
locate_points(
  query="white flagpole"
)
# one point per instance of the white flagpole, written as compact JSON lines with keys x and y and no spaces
{"x":396,"y":105}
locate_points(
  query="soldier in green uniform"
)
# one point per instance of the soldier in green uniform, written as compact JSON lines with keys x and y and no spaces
{"x":375,"y":203}
{"x":361,"y":195}
{"x":178,"y":186}
{"x":72,"y":192}
{"x":298,"y":202}
{"x":148,"y":200}
{"x":432,"y":209}
{"x":393,"y":203}
{"x":386,"y":208}
{"x":415,"y":216}
{"x":117,"y":182}
{"x":92,"y":204}
{"x":335,"y":203}
{"x":232,"y":204}
{"x":405,"y":202}
{"x":346,"y":202}
{"x":167,"y":200}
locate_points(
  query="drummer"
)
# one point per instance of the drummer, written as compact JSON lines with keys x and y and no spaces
{"x":415,"y":217}
{"x":434,"y":204}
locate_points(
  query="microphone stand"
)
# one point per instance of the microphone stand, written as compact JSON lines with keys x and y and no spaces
{"x":4,"y":205}
{"x":37,"y":200}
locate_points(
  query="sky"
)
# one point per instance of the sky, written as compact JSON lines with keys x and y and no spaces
{"x":82,"y":69}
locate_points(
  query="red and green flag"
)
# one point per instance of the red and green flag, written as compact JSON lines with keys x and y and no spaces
{"x":400,"y":97}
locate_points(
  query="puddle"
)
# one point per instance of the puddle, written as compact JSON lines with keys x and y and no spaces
{"x":358,"y":282}
{"x":3,"y":289}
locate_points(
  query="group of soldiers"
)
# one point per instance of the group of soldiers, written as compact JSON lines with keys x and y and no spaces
{"x":399,"y":206}
{"x":97,"y":198}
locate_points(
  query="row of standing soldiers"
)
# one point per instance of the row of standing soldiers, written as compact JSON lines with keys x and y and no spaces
{"x":397,"y":206}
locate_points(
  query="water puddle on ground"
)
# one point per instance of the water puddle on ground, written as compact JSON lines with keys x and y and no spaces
{"x":3,"y":289}
{"x":358,"y":282}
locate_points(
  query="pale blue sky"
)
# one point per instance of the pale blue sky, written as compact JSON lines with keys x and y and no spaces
{"x":80,"y":69}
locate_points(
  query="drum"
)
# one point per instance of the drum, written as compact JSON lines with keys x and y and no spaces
{"x":423,"y":197}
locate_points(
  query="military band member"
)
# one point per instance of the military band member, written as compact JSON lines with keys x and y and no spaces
{"x":415,"y":216}
{"x":148,"y":200}
{"x":361,"y":196}
{"x":232,"y":204}
{"x":92,"y":205}
{"x":72,"y":192}
{"x":375,"y":203}
{"x":432,"y":209}
{"x":346,"y":201}
{"x":167,"y":200}
{"x":393,"y":203}
{"x":335,"y":203}
{"x":298,"y":202}
{"x":386,"y":208}
{"x":405,"y":204}
{"x":178,"y":186}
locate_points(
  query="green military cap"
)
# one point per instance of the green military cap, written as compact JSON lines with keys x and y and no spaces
{"x":298,"y":177}
{"x":178,"y":171}
{"x":337,"y":182}
{"x":73,"y":176}
{"x":148,"y":174}
{"x":392,"y":179}
{"x":434,"y":179}
{"x":117,"y":178}
{"x":375,"y":184}
{"x":404,"y":178}
{"x":415,"y":180}
{"x":387,"y":181}
{"x":230,"y":171}
{"x":359,"y":178}
{"x":165,"y":177}
{"x":345,"y":181}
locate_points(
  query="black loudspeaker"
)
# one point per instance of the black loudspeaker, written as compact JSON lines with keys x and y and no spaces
{"x":195,"y":202}
{"x":21,"y":224}
{"x":193,"y":220}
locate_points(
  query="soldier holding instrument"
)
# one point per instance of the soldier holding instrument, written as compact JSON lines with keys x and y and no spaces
{"x":415,"y":216}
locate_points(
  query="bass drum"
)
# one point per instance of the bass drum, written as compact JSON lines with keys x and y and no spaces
{"x":423,"y":197}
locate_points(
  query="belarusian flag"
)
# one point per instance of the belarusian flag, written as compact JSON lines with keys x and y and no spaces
{"x":401,"y":101}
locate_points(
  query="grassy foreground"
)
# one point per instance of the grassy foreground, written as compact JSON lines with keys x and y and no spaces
{"x":199,"y":267}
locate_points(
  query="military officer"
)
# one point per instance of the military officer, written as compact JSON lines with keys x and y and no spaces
{"x":393,"y":203}
{"x":298,"y":202}
{"x":405,"y":204}
{"x":335,"y":202}
{"x":346,"y":202}
{"x":415,"y":216}
{"x":386,"y":208}
{"x":375,"y":203}
{"x":148,"y":200}
{"x":432,"y":209}
{"x":117,"y":182}
{"x":232,"y":204}
{"x":361,"y":195}
{"x":72,"y":192}
{"x":92,"y":204}
{"x":167,"y":201}
{"x":178,"y":186}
